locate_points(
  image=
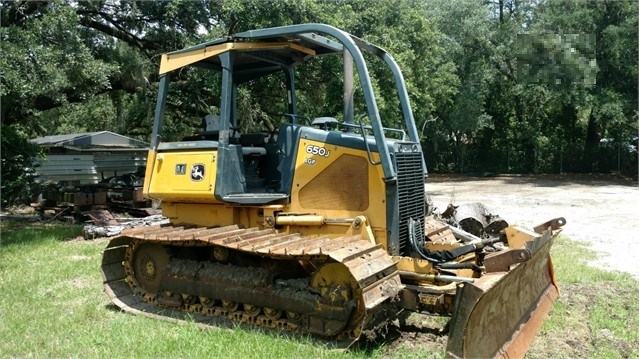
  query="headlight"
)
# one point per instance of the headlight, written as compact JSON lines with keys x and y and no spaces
{"x":408,"y":147}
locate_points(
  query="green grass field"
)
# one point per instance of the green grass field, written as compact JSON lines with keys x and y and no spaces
{"x":597,"y":313}
{"x":52,"y":305}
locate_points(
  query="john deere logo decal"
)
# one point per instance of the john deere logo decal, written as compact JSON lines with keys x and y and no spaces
{"x":197,"y":172}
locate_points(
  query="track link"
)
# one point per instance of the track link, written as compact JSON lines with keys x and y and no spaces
{"x":333,"y":287}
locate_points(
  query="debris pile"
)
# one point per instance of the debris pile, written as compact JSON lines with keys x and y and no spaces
{"x":474,"y":218}
{"x":114,"y":226}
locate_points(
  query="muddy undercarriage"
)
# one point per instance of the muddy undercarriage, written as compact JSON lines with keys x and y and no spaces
{"x":322,"y":286}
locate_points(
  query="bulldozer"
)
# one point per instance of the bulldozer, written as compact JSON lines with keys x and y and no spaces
{"x":319,"y":225}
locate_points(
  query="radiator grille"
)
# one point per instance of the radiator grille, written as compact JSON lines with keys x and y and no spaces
{"x":410,"y":185}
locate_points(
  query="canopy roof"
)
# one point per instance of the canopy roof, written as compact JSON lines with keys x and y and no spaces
{"x":256,"y":52}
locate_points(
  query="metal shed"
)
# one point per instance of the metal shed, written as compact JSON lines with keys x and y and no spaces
{"x":88,"y":158}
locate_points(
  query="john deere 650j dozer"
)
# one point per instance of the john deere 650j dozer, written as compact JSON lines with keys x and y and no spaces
{"x":319,"y":226}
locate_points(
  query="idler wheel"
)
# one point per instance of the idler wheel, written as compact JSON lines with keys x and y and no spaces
{"x":149,"y":262}
{"x":334,"y":282}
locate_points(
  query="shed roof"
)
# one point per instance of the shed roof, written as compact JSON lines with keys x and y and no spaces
{"x":88,"y":140}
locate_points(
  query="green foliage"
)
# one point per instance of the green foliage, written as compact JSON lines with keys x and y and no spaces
{"x":18,"y":157}
{"x":514,"y":86}
{"x":47,"y":63}
{"x":555,"y":59}
{"x":587,"y":105}
{"x":465,"y":39}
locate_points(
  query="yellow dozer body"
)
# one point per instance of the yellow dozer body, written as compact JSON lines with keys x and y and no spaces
{"x":319,"y":225}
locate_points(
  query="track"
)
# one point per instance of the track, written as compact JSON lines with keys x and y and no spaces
{"x":332,"y":287}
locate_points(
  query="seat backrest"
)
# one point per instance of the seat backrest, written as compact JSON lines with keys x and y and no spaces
{"x":253,"y":139}
{"x":230,"y":171}
{"x":211,"y":123}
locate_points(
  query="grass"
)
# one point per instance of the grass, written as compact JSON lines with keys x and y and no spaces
{"x":52,"y":305}
{"x":597,"y":313}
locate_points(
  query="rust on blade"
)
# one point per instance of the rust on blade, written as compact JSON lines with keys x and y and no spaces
{"x":553,"y":224}
{"x":500,"y":312}
{"x":520,"y":343}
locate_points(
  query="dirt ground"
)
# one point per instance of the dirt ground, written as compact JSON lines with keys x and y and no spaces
{"x":601,"y":210}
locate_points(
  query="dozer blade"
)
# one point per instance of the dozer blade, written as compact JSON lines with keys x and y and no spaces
{"x":499,"y":314}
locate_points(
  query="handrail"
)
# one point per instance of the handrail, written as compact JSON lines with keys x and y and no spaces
{"x":368,"y":149}
{"x":360,"y":126}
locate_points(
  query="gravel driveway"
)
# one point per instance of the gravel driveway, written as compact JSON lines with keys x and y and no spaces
{"x":600,"y":210}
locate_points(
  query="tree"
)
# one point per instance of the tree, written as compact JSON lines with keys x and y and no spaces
{"x":46,"y":63}
{"x":466,"y":34}
{"x":18,"y":158}
{"x":603,"y":108}
{"x":500,"y":76}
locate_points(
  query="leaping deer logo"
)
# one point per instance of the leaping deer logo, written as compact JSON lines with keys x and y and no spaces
{"x":197,"y":172}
